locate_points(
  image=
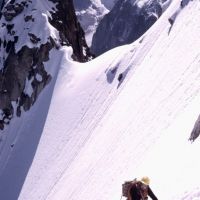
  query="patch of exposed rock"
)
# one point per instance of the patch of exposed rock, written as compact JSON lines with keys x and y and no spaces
{"x":125,"y":23}
{"x":196,"y":130}
{"x":23,"y":52}
{"x":89,"y":13}
{"x":70,"y":30}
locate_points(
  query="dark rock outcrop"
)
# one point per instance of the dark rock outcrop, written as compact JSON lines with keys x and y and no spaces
{"x":23,"y":52}
{"x":89,"y":14}
{"x":125,"y":23}
{"x":196,"y":130}
{"x":2,"y":2}
{"x":71,"y":33}
{"x":12,"y":10}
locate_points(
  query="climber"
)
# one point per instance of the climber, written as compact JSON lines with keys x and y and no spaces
{"x":140,"y":190}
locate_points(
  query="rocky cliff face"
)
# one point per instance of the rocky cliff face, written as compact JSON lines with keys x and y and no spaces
{"x":29,"y":31}
{"x":70,"y":30}
{"x":125,"y":23}
{"x":1,"y":5}
{"x":89,"y":13}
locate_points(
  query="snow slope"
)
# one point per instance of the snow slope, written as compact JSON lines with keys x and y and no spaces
{"x":100,"y":131}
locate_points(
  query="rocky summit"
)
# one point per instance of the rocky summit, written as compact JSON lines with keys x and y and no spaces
{"x":125,"y":23}
{"x":30,"y":30}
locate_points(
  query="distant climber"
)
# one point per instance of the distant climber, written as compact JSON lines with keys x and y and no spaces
{"x":171,"y":21}
{"x":139,"y":189}
{"x":120,"y":77}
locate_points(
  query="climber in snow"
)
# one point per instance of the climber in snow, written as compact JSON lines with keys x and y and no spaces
{"x":140,"y":190}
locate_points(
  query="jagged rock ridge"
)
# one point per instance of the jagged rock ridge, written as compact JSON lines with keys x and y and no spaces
{"x":70,"y":30}
{"x":89,"y":13}
{"x":29,"y":31}
{"x":125,"y":23}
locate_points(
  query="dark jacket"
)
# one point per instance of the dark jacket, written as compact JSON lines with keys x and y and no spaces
{"x":136,"y":193}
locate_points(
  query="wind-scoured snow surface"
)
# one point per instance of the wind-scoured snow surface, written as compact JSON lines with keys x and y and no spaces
{"x":125,"y":114}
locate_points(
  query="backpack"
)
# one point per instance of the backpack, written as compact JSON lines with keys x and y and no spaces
{"x":144,"y":192}
{"x":126,"y":187}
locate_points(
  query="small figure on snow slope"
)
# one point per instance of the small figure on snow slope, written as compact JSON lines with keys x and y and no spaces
{"x":139,"y":189}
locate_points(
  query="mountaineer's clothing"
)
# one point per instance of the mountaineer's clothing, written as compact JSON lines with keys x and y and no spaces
{"x":140,"y":191}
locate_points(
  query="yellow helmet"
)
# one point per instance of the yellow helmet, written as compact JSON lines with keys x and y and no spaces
{"x":145,"y":180}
